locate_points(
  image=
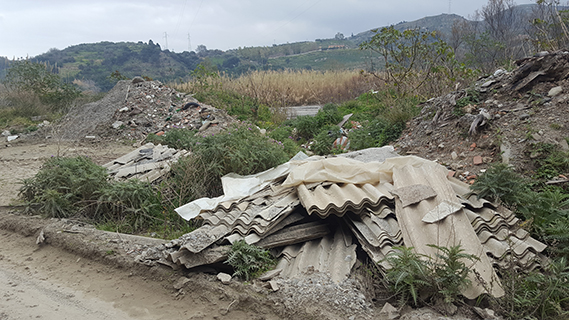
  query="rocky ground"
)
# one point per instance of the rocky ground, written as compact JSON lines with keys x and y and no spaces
{"x":517,"y":111}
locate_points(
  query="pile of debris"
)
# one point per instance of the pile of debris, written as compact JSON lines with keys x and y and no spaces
{"x":503,"y":117}
{"x":147,"y":163}
{"x":316,"y":214}
{"x":133,"y":109}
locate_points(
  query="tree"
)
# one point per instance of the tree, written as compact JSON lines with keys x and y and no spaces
{"x":549,"y":26}
{"x":415,"y":61}
{"x":339,"y":36}
{"x":499,"y":41}
{"x":201,"y":50}
{"x":38,"y":78}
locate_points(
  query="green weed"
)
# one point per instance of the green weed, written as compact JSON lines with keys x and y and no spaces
{"x":248,"y":260}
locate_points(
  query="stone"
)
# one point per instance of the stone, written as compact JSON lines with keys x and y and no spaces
{"x":555,"y":91}
{"x":499,"y":72}
{"x":477,"y":160}
{"x":12,"y":138}
{"x":270,"y":274}
{"x":224,"y":277}
{"x":563,"y":144}
{"x":388,"y":312}
{"x":487,"y":83}
{"x":524,"y":116}
{"x":453,"y":155}
{"x":180,"y":283}
{"x":506,"y":150}
{"x":6,"y":133}
{"x":136,"y":80}
{"x":274,"y":285}
{"x":486,"y":314}
{"x":445,"y":307}
{"x":117,"y":124}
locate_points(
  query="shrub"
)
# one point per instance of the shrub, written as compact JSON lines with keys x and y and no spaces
{"x":38,"y":79}
{"x":500,"y":183}
{"x":323,"y":142}
{"x":409,"y":274}
{"x":64,"y":185}
{"x":537,"y":295}
{"x":414,"y":276}
{"x":248,"y":260}
{"x":451,"y":272}
{"x":242,"y":150}
{"x":376,"y":133}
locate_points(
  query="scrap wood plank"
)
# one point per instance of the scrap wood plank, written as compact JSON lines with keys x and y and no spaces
{"x":297,"y":234}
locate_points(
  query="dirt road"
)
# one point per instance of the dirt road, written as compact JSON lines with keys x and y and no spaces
{"x":48,"y":282}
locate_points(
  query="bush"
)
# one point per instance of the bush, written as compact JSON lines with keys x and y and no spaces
{"x":71,"y":186}
{"x":413,"y":276}
{"x":537,"y":295}
{"x":500,"y":183}
{"x":323,"y":142}
{"x":376,"y":133}
{"x":64,"y":185}
{"x":242,"y":150}
{"x":38,"y":79}
{"x":248,"y":260}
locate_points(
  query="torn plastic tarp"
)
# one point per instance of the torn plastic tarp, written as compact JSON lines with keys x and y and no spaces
{"x":236,"y":187}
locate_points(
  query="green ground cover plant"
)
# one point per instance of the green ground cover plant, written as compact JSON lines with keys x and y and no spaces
{"x":248,"y":261}
{"x":421,"y":279}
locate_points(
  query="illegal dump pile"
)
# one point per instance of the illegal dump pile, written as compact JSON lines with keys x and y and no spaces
{"x":504,"y":117}
{"x":147,"y":163}
{"x":318,"y":214}
{"x":133,"y":109}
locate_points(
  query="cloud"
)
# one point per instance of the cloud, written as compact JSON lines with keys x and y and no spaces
{"x":32,"y":27}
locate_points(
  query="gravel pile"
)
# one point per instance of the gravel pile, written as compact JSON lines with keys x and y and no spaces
{"x":135,"y":108}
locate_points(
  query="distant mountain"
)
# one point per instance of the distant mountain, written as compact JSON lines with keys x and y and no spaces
{"x":91,"y":65}
{"x":442,"y":23}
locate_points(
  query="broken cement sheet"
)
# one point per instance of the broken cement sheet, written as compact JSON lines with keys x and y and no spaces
{"x":443,"y":210}
{"x":236,"y":187}
{"x":339,"y":170}
{"x":455,"y":229}
{"x":343,"y":170}
{"x":414,"y":194}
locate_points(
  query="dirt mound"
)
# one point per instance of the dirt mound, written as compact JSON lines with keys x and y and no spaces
{"x":503,"y":117}
{"x":135,"y":108}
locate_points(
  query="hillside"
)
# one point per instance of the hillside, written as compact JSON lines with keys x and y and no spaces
{"x":442,"y":23}
{"x":92,"y":64}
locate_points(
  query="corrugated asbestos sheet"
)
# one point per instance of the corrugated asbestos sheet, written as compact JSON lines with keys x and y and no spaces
{"x":147,"y":163}
{"x":316,"y":226}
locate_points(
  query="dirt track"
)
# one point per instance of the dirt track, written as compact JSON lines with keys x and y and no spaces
{"x":71,"y":276}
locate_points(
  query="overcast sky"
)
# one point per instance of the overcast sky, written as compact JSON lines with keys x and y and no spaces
{"x":29,"y":28}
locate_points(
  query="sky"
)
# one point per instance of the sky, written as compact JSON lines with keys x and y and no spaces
{"x":29,"y":28}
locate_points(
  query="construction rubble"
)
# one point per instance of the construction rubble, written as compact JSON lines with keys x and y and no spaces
{"x":135,"y":108}
{"x":503,"y":117}
{"x":147,"y":163}
{"x":319,"y":215}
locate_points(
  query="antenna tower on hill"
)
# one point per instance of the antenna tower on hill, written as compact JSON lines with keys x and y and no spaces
{"x":449,"y":6}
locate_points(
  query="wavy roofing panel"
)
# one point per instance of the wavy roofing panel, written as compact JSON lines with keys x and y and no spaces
{"x":247,"y":217}
{"x":339,"y":198}
{"x":334,"y":254}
